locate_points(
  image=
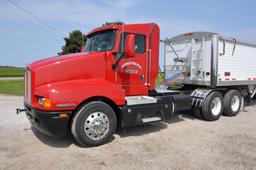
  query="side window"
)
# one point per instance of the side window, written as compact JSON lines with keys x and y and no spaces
{"x":140,"y":43}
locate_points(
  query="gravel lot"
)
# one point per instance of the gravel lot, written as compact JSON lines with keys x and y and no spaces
{"x":183,"y":143}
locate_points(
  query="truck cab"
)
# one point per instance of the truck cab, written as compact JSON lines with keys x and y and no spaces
{"x":110,"y":84}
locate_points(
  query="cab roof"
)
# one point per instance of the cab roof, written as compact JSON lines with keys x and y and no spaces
{"x":122,"y":26}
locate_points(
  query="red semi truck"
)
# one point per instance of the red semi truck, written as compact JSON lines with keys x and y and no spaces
{"x":110,"y":84}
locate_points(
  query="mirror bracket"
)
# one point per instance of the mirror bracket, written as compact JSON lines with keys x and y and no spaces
{"x":120,"y":56}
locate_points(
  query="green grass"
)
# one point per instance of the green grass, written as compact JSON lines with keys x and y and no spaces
{"x":6,"y":71}
{"x":14,"y":87}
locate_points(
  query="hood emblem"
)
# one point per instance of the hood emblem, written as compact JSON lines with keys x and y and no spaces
{"x":66,"y":105}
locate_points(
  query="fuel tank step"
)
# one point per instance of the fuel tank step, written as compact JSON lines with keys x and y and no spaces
{"x":138,"y":100}
{"x":151,"y":119}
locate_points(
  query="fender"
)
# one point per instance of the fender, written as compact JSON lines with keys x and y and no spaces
{"x":67,"y":95}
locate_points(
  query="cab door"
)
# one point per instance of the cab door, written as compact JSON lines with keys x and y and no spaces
{"x":131,"y":71}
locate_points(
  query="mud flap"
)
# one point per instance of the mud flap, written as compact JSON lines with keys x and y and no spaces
{"x":182,"y":102}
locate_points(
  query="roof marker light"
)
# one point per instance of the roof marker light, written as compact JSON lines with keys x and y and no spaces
{"x":189,"y":34}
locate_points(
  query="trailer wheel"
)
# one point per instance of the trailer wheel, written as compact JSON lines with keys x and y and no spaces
{"x":213,"y":106}
{"x":94,"y":124}
{"x":197,"y":112}
{"x":232,"y":103}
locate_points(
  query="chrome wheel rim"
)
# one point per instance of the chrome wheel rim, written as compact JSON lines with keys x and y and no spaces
{"x":235,"y":102}
{"x":96,"y":125}
{"x":216,"y":106}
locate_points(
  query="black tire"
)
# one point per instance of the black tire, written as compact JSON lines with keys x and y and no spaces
{"x":207,"y":111}
{"x":197,"y":112}
{"x":228,"y":111}
{"x":82,"y":115}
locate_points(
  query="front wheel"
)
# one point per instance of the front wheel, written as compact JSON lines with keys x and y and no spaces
{"x":94,"y":124}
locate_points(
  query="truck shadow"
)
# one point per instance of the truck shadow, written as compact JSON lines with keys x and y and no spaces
{"x":250,"y":103}
{"x":63,"y":142}
{"x":53,"y":142}
{"x":188,"y":115}
{"x":131,"y":131}
{"x":149,"y":128}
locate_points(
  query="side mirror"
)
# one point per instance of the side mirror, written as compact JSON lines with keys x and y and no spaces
{"x":82,"y":48}
{"x":130,"y":45}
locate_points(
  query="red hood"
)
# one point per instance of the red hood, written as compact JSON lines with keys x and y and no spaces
{"x":60,"y":58}
{"x":69,"y":67}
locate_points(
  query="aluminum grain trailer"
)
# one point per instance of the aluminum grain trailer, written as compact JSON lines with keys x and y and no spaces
{"x":219,"y":71}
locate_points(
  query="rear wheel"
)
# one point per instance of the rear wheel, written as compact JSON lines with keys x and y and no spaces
{"x":213,"y":106}
{"x":94,"y":124}
{"x":197,"y":112}
{"x":232,"y":103}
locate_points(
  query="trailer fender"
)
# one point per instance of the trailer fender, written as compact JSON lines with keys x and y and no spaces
{"x":198,"y":96}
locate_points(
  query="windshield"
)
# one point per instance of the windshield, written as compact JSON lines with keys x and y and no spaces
{"x":101,"y":41}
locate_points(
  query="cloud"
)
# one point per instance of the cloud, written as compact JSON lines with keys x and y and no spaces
{"x":245,"y":34}
{"x":93,"y":14}
{"x":209,"y":11}
{"x":77,"y":11}
{"x":173,"y":26}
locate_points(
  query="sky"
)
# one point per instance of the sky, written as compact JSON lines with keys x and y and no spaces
{"x":23,"y":39}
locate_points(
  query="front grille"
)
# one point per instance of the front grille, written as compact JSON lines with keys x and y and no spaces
{"x":27,"y":90}
{"x":29,"y":86}
{"x":25,"y":85}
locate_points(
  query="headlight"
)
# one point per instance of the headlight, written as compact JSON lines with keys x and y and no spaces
{"x":44,"y":102}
